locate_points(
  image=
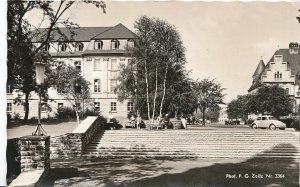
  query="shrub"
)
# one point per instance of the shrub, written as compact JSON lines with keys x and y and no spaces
{"x":288,"y":121}
{"x":17,"y":116}
{"x":89,"y":112}
{"x":296,"y":124}
{"x":65,"y":113}
{"x":8,"y":117}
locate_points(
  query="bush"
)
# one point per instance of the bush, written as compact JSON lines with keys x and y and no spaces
{"x":8,"y":117}
{"x":89,"y":112}
{"x":288,"y":121}
{"x":296,"y":124}
{"x":17,"y":116}
{"x":65,"y":113}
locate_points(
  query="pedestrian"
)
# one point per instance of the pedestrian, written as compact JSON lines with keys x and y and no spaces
{"x":138,"y":120}
{"x":183,"y":121}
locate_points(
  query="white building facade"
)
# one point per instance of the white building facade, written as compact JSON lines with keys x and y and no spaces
{"x":98,"y":53}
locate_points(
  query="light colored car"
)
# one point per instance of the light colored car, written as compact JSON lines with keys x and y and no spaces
{"x":268,"y":122}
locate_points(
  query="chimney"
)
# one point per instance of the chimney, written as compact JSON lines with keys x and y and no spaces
{"x":294,"y":48}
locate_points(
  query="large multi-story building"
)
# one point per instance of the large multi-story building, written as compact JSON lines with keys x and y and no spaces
{"x":283,"y":69}
{"x":97,"y":52}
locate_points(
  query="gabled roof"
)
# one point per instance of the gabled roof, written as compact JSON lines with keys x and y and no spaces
{"x":81,"y":34}
{"x":118,"y":31}
{"x":293,"y":60}
{"x":293,"y":63}
{"x":260,"y":68}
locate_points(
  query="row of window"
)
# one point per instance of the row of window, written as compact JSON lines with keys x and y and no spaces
{"x":113,"y":106}
{"x":278,"y":75}
{"x":98,"y":44}
{"x":113,"y":64}
{"x":97,"y":85}
{"x":97,"y":64}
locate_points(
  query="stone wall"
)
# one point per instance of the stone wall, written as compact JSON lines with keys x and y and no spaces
{"x":35,"y":152}
{"x":13,"y":159}
{"x":73,"y":144}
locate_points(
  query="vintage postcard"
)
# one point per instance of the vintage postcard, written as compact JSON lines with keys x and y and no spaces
{"x":151,"y":93}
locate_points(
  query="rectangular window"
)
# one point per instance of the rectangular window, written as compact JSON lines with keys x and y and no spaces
{"x":113,"y":85}
{"x":114,"y":65}
{"x":97,"y":85}
{"x":129,"y":107}
{"x":114,"y":74}
{"x":44,"y":107}
{"x":113,"y":106}
{"x":24,"y":107}
{"x":97,"y":64}
{"x":97,"y":106}
{"x":78,"y":106}
{"x":8,"y":89}
{"x":9,"y":107}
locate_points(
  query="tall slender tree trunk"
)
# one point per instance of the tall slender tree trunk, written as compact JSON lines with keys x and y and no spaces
{"x":164,"y":90}
{"x":147,"y":88}
{"x":77,"y":115}
{"x":203,"y":116}
{"x":155,"y":95}
{"x":26,"y":104}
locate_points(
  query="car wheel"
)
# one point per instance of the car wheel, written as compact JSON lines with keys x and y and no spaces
{"x":272,"y":127}
{"x":254,"y":126}
{"x":282,"y":128}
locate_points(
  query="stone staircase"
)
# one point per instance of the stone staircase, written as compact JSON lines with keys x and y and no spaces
{"x":194,"y":143}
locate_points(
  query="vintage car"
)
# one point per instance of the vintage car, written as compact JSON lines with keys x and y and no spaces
{"x":267,"y":121}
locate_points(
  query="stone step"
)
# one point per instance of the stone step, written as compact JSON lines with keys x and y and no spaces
{"x":195,"y":148}
{"x":228,"y":152}
{"x":193,"y":156}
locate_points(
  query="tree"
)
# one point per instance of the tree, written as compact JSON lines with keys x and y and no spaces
{"x":212,"y":114}
{"x":209,"y":95}
{"x":72,"y":86}
{"x":240,"y":107}
{"x":159,"y":57}
{"x":271,"y":100}
{"x":21,"y":53}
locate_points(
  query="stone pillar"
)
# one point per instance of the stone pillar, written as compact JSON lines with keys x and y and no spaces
{"x":35,"y":152}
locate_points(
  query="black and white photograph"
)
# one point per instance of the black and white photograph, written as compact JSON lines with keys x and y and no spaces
{"x":150,"y":93}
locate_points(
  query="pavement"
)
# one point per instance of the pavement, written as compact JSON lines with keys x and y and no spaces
{"x":52,"y":129}
{"x":254,"y":172}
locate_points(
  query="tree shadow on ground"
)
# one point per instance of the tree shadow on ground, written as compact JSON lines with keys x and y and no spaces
{"x":152,"y":173}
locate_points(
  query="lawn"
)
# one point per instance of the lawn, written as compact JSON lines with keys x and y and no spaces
{"x":53,"y":128}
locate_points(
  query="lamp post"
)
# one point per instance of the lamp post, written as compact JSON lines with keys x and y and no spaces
{"x":40,"y":73}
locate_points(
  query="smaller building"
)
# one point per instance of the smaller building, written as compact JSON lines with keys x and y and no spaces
{"x":223,"y":115}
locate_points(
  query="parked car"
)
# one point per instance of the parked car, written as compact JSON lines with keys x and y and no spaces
{"x":268,"y":122}
{"x":232,"y":122}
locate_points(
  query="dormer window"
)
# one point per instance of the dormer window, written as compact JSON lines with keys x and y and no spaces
{"x":47,"y":47}
{"x":278,"y":58}
{"x":62,"y":47}
{"x":98,"y":44}
{"x":79,"y":47}
{"x":115,"y":44}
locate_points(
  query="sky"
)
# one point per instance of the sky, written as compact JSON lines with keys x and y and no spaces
{"x":223,"y":40}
